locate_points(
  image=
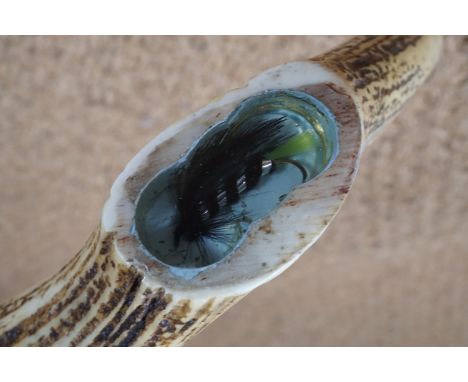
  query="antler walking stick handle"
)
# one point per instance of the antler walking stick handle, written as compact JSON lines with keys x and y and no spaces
{"x":113,"y":293}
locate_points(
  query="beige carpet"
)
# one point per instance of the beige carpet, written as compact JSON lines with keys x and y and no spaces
{"x":73,"y":111}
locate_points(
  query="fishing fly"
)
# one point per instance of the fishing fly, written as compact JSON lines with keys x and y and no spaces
{"x":200,"y":209}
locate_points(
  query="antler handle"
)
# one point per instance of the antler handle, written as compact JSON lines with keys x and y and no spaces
{"x":113,"y":293}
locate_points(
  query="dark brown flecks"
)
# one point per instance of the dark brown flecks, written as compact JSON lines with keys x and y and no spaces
{"x":53,"y":334}
{"x":376,"y":66}
{"x":106,"y":244}
{"x":126,"y":324}
{"x":10,"y":336}
{"x":128,"y":300}
{"x":187,"y":325}
{"x":46,"y":313}
{"x":397,"y":85}
{"x":123,"y":282}
{"x":343,"y":190}
{"x":266,"y":226}
{"x":156,"y":305}
{"x":76,"y":314}
{"x":169,"y":325}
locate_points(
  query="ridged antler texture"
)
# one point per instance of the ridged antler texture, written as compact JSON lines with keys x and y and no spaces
{"x":113,"y":293}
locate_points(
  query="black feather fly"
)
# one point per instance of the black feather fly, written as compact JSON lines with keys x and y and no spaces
{"x":223,"y":167}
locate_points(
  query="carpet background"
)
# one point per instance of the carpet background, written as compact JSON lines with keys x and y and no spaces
{"x":392,"y":269}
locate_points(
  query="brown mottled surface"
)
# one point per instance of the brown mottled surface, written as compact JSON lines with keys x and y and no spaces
{"x":383,"y":71}
{"x":391,"y":270}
